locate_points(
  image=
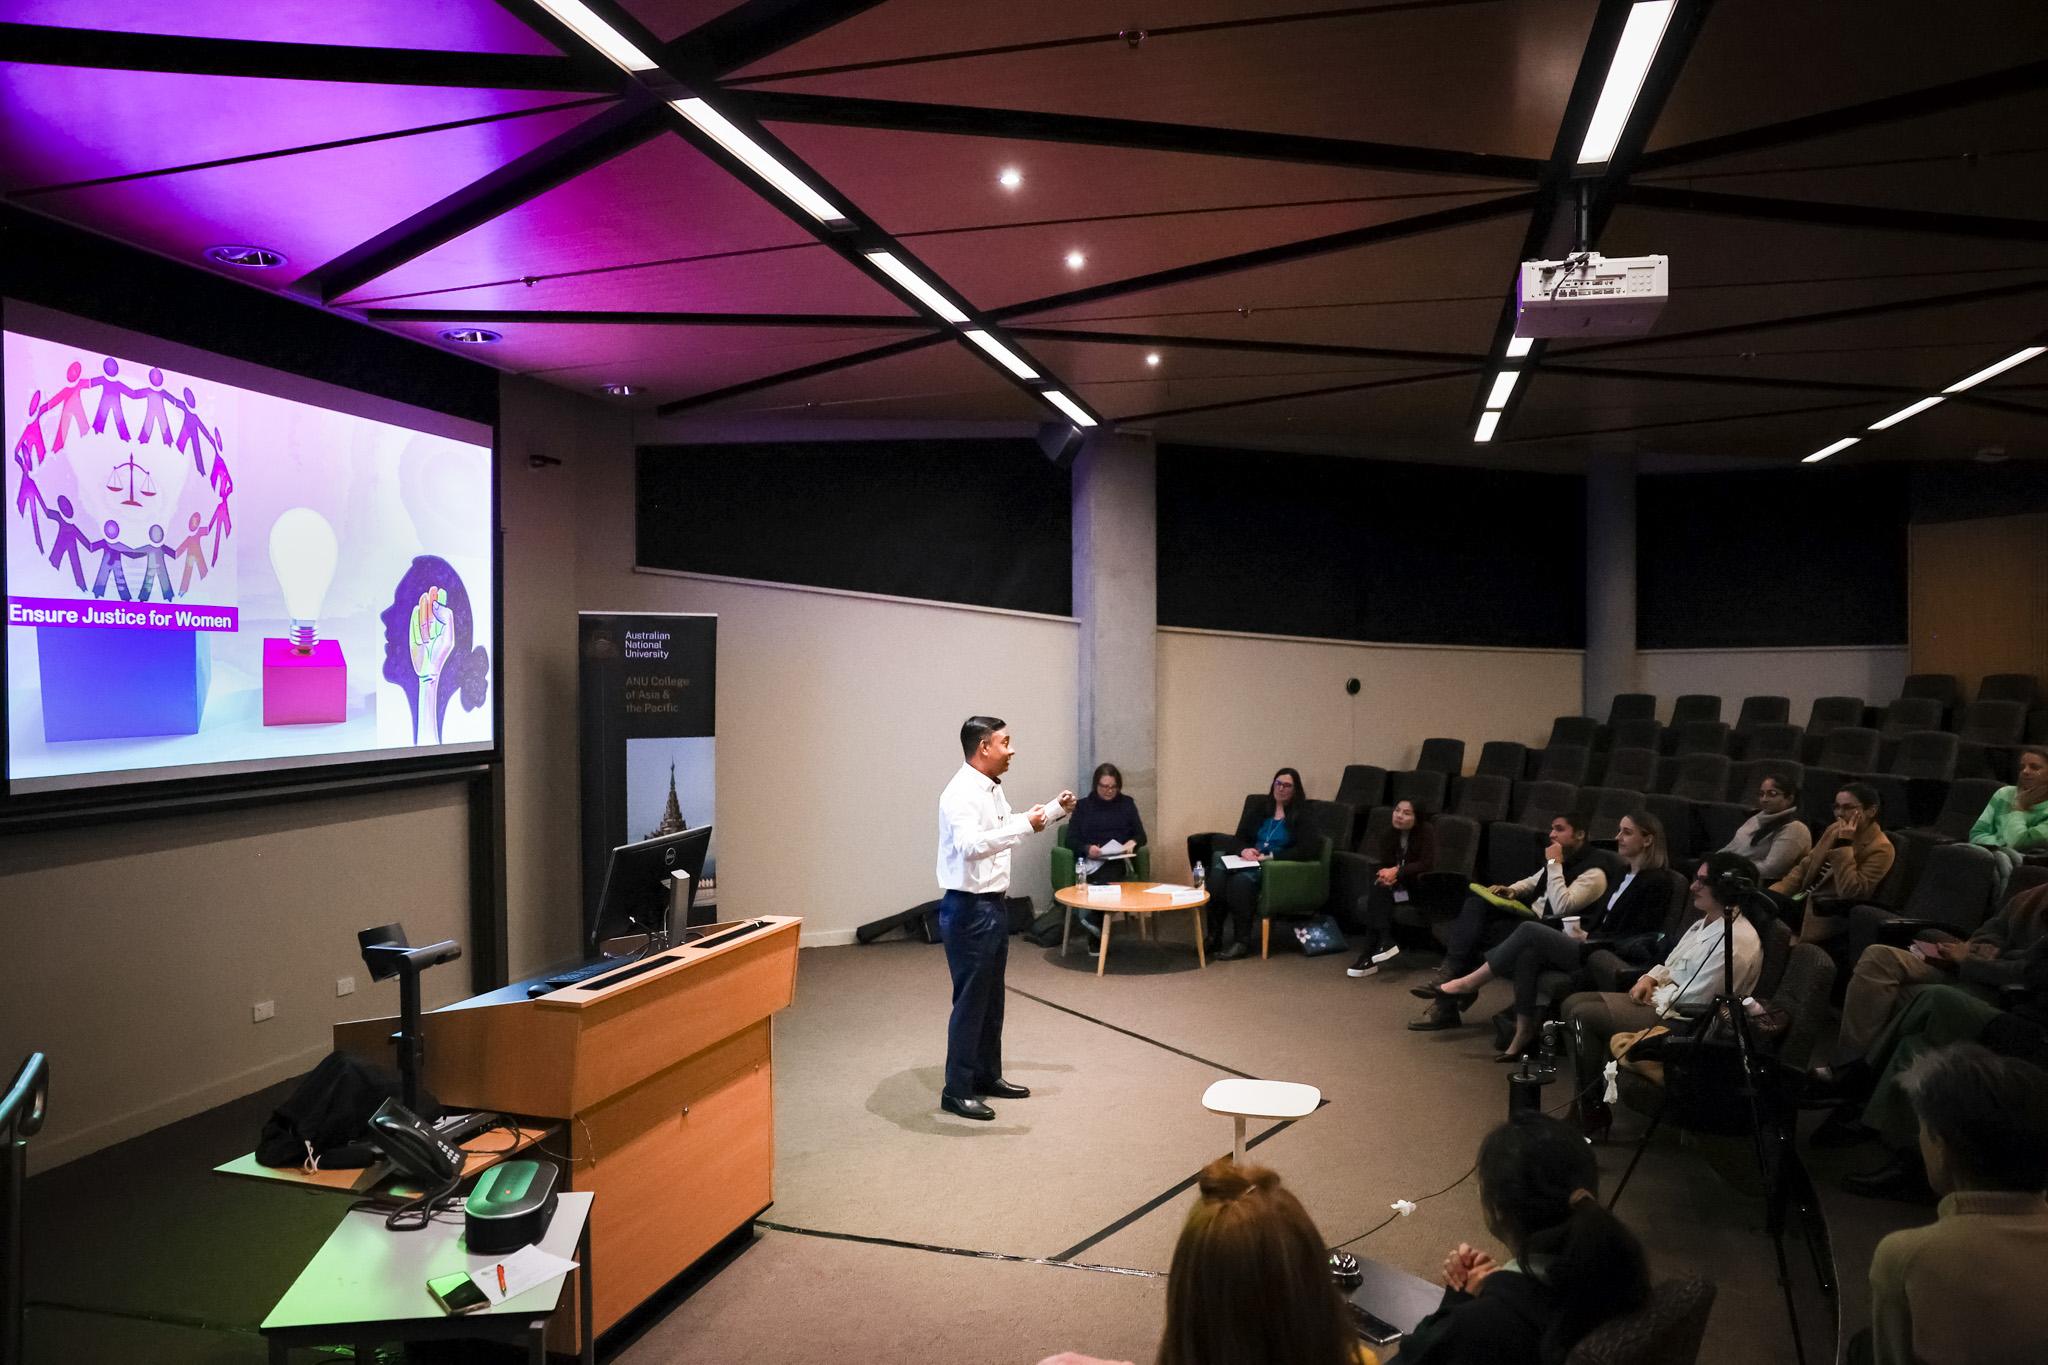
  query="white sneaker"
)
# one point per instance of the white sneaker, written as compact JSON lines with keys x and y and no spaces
{"x":1386,"y":955}
{"x":1362,"y":967}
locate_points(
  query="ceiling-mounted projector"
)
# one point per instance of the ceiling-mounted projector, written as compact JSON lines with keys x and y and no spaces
{"x":1590,"y":295}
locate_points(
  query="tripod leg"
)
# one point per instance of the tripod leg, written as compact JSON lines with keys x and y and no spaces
{"x":1641,"y":1143}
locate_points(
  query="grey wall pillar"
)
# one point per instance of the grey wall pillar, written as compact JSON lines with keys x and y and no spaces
{"x":1116,"y":576}
{"x":1610,"y":581}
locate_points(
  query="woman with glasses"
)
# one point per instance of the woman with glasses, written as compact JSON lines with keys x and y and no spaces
{"x":1846,"y":865}
{"x":1275,"y":832}
{"x":1104,"y":818}
{"x":1679,"y":987}
{"x":1773,"y":836}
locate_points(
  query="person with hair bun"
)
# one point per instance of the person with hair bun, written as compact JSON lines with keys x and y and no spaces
{"x":1572,"y":1266}
{"x":1250,"y":1282}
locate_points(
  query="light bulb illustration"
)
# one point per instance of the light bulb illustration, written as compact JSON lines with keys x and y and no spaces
{"x":303,"y":552}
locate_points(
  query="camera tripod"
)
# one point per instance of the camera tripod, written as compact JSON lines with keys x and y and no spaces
{"x":1777,"y":1162}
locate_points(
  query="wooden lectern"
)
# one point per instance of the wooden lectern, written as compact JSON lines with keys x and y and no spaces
{"x":663,"y":1070}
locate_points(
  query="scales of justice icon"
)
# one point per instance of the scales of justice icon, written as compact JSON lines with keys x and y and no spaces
{"x":138,"y":481}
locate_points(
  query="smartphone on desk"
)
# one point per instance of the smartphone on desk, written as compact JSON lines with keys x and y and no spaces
{"x":457,"y":1293}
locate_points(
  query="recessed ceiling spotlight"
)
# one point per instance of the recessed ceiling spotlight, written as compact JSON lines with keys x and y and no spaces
{"x":1152,"y":358}
{"x":1010,"y":178}
{"x":620,"y":390}
{"x":472,"y":336}
{"x":1075,"y":260}
{"x":245,"y":257}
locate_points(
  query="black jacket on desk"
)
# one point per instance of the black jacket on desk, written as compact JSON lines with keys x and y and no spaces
{"x":1503,"y":1324}
{"x":1096,"y":821}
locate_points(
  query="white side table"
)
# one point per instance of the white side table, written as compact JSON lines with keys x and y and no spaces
{"x":1242,"y":1099}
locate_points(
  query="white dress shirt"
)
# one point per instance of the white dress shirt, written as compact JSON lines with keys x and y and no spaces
{"x":1691,"y":976}
{"x":977,"y":832}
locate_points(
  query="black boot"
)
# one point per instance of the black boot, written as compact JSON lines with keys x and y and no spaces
{"x":1901,"y":1177}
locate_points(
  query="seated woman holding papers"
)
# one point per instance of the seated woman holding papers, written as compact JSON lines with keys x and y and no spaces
{"x":1105,"y":832}
{"x":1234,"y":876}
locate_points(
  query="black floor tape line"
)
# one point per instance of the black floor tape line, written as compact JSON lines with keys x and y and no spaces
{"x":1059,"y":1263}
{"x":1132,"y":1033}
{"x":1164,"y":1197}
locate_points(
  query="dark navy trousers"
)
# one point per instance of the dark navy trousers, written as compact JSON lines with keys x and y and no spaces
{"x":976,"y":930}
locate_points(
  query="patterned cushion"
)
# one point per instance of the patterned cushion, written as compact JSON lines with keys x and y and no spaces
{"x":1667,"y":1331}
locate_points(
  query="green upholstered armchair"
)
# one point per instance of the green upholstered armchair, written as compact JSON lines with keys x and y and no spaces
{"x":1064,"y":858}
{"x":1290,"y":887}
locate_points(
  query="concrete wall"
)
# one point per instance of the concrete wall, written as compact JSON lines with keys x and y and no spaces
{"x":1232,"y":708}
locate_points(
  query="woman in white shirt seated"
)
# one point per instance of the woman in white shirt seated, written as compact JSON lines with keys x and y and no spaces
{"x":1679,"y":987}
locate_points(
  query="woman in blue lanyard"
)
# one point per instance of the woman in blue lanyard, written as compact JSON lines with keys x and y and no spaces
{"x":1234,"y":892}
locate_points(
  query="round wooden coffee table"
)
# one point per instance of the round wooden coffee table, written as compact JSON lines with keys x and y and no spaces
{"x":1131,"y":898}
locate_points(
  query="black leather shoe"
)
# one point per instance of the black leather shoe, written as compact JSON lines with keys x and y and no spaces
{"x":1849,"y":1083}
{"x":1439,"y":1016}
{"x":1002,"y":1090}
{"x":1901,"y":1177}
{"x":966,"y":1109}
{"x":1232,"y":952}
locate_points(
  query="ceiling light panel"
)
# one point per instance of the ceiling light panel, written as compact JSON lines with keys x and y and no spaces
{"x":931,"y":298}
{"x":578,"y":19}
{"x":1640,"y":37}
{"x":1503,"y":385}
{"x":1008,"y":358}
{"x":1067,"y":405}
{"x":1993,"y":371}
{"x":1902,"y":414}
{"x":1487,"y":422}
{"x":1835,"y":449}
{"x":1519,"y":347}
{"x":756,"y":159}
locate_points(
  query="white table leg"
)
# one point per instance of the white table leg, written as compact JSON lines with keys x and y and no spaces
{"x":1237,"y":1147}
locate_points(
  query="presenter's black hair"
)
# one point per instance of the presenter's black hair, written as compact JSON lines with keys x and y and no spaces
{"x":1990,"y":1112}
{"x":1539,"y":1186}
{"x":977,"y":729}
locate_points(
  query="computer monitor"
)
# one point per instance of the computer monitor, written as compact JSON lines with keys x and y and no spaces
{"x":636,"y":895}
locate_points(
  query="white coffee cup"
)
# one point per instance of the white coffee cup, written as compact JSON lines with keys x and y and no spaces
{"x":1571,"y":926}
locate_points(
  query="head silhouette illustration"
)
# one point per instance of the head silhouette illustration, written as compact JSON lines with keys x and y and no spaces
{"x":192,"y":522}
{"x":64,"y":506}
{"x":112,"y":530}
{"x":156,"y":535}
{"x":71,"y":374}
{"x":468,"y":666}
{"x":111,"y":367}
{"x":35,"y":401}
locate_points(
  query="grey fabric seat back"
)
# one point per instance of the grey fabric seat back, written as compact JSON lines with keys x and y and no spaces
{"x":1993,"y":722}
{"x":1667,"y":1330}
{"x":1503,"y":758}
{"x":1966,"y":800}
{"x":1745,"y":777}
{"x":1538,"y":803}
{"x":1363,"y":786}
{"x":1635,"y":769}
{"x":1701,"y":737}
{"x":1832,"y":713}
{"x":1378,"y":821}
{"x":1909,"y":714}
{"x":1484,"y":798}
{"x":2023,"y":688}
{"x":1607,"y":806}
{"x":1446,"y":756}
{"x":1635,"y":734}
{"x":1631,"y":706}
{"x":1701,"y":777}
{"x":1675,"y":813}
{"x":1849,"y":749}
{"x":1926,"y":753}
{"x":1328,"y":819}
{"x":1942,"y":689}
{"x":1426,"y":790}
{"x":1762,"y":710}
{"x":1774,"y":741}
{"x":1694,"y":706}
{"x":1457,"y":845}
{"x":1564,"y":763}
{"x":1956,"y":886}
{"x":1578,"y":730}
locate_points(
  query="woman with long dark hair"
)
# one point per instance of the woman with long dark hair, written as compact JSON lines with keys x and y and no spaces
{"x":1572,"y":1266}
{"x":1105,"y":816}
{"x":1406,"y":851}
{"x":1234,"y":892}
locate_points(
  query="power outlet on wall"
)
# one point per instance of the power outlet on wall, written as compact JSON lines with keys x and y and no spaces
{"x":344,"y":985}
{"x":261,"y":1010}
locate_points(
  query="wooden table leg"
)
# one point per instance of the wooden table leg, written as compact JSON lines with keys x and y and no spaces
{"x":1201,"y":954}
{"x":1103,"y":960}
{"x":1066,"y":928}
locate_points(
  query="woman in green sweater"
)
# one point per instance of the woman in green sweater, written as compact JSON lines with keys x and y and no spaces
{"x":2015,"y":823}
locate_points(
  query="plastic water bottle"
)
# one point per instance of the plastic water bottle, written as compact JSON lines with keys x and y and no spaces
{"x":1201,"y":876}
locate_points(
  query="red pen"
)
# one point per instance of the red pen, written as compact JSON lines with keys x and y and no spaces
{"x":501,"y":1279}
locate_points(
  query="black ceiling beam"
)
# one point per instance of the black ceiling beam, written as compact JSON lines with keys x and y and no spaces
{"x":1679,"y":422}
{"x":587,"y":318}
{"x":1866,"y":216}
{"x":1196,"y":343}
{"x":43,"y":45}
{"x":1393,"y":383}
{"x":1735,"y":380}
{"x":759,"y":29}
{"x":1420,"y":224}
{"x":596,"y":140}
{"x":1127,"y":134}
{"x":1958,"y":299}
{"x":844,"y":362}
{"x":2014,"y":80}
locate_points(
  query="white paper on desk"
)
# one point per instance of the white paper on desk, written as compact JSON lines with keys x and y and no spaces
{"x":523,"y":1269}
{"x":1235,"y":863}
{"x":1105,"y":893}
{"x":1116,"y":848}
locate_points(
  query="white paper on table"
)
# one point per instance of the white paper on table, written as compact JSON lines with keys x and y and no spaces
{"x":1105,"y":893}
{"x":1116,"y":848}
{"x":523,"y":1269}
{"x":1235,"y":863}
{"x":1165,"y":889}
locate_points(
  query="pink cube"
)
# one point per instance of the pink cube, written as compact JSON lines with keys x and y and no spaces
{"x":304,"y":688}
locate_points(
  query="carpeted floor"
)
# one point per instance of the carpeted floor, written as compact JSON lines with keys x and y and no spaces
{"x":903,"y":1233}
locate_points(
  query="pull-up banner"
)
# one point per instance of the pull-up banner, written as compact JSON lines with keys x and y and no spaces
{"x":648,"y":697}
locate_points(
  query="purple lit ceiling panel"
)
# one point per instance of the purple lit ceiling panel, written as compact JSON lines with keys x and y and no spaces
{"x":439,"y":25}
{"x":915,"y":182}
{"x":670,"y":19}
{"x":310,"y":207}
{"x":662,"y":202}
{"x":942,"y":382}
{"x":664,"y":362}
{"x":66,"y":124}
{"x":997,"y":267}
{"x":1490,"y":78}
{"x":802,"y":279}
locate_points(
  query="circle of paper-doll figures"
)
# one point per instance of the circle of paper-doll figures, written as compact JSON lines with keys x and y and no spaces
{"x":159,"y":554}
